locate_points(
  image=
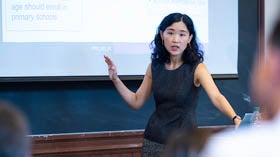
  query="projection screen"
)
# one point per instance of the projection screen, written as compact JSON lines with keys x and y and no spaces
{"x":68,"y":38}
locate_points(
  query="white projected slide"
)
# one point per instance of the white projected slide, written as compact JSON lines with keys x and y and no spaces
{"x":70,"y":37}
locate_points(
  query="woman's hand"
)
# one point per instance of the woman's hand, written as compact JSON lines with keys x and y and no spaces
{"x":237,"y":122}
{"x":112,"y":69}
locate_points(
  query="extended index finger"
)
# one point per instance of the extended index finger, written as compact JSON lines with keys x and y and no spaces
{"x":107,"y":59}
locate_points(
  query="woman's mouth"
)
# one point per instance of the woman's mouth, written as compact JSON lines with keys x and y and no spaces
{"x":174,"y":48}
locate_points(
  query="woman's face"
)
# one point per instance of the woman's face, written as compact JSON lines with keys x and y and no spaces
{"x":176,"y":38}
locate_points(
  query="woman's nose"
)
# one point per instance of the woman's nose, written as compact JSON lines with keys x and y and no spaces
{"x":175,"y":38}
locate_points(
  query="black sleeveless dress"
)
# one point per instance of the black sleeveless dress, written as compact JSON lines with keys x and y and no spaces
{"x":176,"y":100}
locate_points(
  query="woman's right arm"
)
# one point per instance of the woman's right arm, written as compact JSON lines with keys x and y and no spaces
{"x":134,"y":99}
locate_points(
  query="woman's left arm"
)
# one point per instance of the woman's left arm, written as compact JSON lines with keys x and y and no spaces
{"x":203,"y":77}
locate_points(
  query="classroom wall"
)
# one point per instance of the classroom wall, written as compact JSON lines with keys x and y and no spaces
{"x":94,"y":106}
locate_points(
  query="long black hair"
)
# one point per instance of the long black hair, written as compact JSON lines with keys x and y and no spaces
{"x":274,"y":38}
{"x":191,"y":55}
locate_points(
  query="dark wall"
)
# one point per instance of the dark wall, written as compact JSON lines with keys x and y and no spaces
{"x":90,"y":106}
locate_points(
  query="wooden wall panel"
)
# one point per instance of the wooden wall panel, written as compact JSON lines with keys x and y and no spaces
{"x":95,"y":144}
{"x":103,"y":144}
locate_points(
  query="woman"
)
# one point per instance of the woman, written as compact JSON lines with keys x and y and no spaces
{"x":175,"y":77}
